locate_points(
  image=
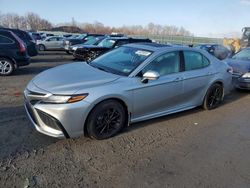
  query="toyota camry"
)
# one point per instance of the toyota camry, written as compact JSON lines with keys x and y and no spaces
{"x":131,"y":83}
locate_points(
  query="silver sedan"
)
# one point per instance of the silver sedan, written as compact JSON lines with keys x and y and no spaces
{"x":51,"y":43}
{"x":129,"y":84}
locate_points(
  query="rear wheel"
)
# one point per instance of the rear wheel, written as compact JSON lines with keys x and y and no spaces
{"x":214,"y":97}
{"x":106,"y":120}
{"x":6,"y":67}
{"x":68,"y":52}
{"x":41,"y":47}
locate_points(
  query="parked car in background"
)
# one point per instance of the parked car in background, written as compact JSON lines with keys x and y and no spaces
{"x":51,"y":43}
{"x":219,"y":51}
{"x":27,"y":39}
{"x":67,"y":35}
{"x":88,"y":53}
{"x":35,"y":36}
{"x":78,"y":40}
{"x":92,"y":41}
{"x":45,"y":35}
{"x":240,"y":63}
{"x":13,"y":53}
{"x":129,"y":84}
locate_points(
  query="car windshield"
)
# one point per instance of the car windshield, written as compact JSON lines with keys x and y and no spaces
{"x":82,"y":36}
{"x":91,"y":40}
{"x":121,"y":61}
{"x":107,"y":43}
{"x":243,"y":54}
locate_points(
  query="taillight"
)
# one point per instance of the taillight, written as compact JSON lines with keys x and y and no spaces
{"x":21,"y":45}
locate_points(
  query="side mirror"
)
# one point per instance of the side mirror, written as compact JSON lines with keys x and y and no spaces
{"x":150,"y":75}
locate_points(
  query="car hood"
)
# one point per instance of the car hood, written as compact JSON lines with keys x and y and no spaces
{"x":68,"y":79}
{"x":94,"y":47}
{"x":83,"y":45}
{"x":74,"y":47}
{"x":239,"y":65}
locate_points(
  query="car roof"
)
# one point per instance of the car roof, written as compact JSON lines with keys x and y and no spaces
{"x":3,"y":31}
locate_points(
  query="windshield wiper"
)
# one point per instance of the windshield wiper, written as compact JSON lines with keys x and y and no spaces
{"x":100,"y":68}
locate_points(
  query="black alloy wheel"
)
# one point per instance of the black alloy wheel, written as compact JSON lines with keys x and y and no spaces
{"x":106,"y":120}
{"x":214,"y":97}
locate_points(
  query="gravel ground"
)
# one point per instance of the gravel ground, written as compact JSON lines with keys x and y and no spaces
{"x":195,"y":148}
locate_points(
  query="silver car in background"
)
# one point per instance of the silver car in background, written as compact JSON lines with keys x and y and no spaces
{"x":129,"y":84}
{"x":51,"y":43}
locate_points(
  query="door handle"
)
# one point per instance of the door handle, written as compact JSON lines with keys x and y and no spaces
{"x":178,"y":79}
{"x":209,"y":73}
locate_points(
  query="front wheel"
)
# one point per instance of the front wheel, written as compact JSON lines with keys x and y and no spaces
{"x":41,"y":47}
{"x":6,"y":67}
{"x":106,"y":120}
{"x":214,"y":97}
{"x":68,"y":52}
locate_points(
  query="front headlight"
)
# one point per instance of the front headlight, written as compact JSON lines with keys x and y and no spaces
{"x":246,"y":75}
{"x":63,"y":99}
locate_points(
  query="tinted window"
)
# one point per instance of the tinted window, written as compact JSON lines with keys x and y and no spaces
{"x":60,"y":39}
{"x":194,"y":60}
{"x":22,"y":34}
{"x":165,"y":64}
{"x":52,"y":39}
{"x":107,"y":43}
{"x":5,"y":40}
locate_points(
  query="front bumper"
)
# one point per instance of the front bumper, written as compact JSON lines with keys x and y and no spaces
{"x":57,"y":120}
{"x":67,"y":47}
{"x":241,"y":83}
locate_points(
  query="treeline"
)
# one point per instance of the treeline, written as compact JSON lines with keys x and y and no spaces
{"x":32,"y":21}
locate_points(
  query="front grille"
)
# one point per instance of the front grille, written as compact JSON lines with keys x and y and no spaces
{"x":48,"y":120}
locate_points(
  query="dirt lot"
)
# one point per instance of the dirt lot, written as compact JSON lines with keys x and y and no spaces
{"x":195,"y":148}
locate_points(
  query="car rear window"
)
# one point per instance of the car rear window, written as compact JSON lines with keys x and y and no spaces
{"x":194,"y":60}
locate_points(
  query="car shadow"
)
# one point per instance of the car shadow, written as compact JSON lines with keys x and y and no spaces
{"x":30,"y":70}
{"x":52,"y":53}
{"x":232,"y":97}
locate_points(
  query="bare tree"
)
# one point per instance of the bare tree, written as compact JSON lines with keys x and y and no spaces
{"x":32,"y":21}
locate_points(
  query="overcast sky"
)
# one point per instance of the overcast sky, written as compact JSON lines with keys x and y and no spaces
{"x":213,"y":18}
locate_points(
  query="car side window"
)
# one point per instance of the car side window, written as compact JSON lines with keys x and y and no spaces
{"x":194,"y":60}
{"x":165,"y":64}
{"x":5,"y":40}
{"x":52,"y":39}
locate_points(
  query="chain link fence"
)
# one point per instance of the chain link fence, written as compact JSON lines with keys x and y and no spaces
{"x":184,"y":40}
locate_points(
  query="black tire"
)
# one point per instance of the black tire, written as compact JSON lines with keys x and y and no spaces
{"x":68,"y":52}
{"x":106,"y":120}
{"x":41,"y":47}
{"x":214,"y":97}
{"x":6,"y":67}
